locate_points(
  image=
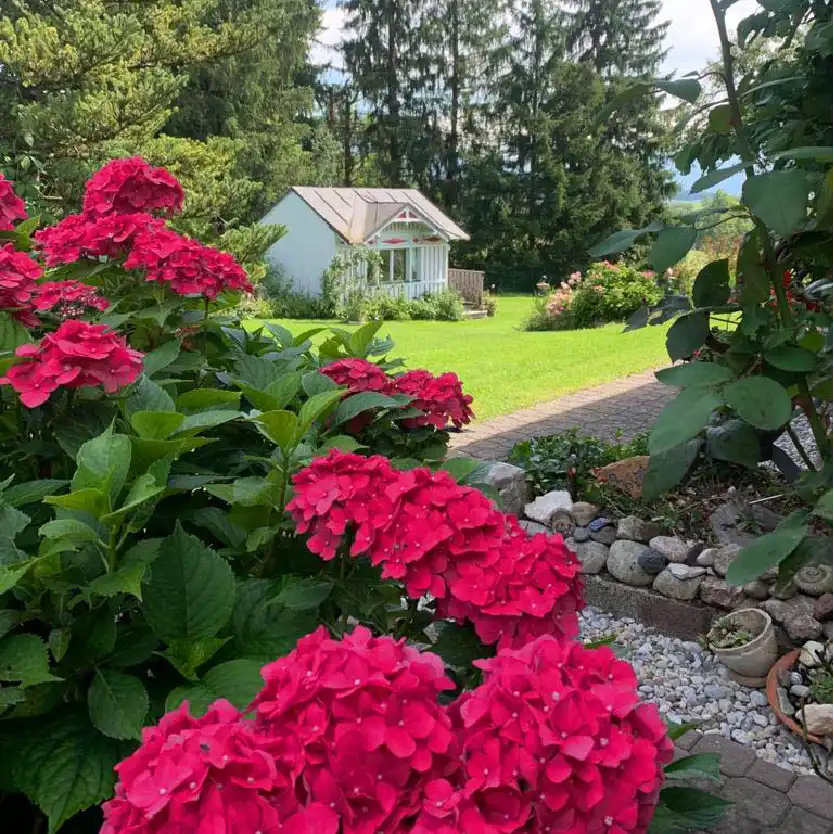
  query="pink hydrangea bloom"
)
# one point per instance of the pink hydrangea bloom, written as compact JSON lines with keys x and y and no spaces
{"x":18,"y":284}
{"x":130,"y":185}
{"x":68,"y":299}
{"x":358,"y":375}
{"x":441,"y":398}
{"x":12,"y":208}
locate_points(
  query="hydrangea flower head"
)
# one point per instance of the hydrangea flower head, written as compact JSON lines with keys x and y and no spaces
{"x":130,"y":185}
{"x":12,"y":208}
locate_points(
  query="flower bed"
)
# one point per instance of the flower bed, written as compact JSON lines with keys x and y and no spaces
{"x":205,"y":525}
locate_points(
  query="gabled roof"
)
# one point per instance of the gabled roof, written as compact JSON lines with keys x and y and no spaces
{"x":357,"y":213}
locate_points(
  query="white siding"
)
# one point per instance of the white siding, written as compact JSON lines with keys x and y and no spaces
{"x":308,"y":247}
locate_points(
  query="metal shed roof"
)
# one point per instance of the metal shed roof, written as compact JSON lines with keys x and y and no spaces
{"x":356,"y":213}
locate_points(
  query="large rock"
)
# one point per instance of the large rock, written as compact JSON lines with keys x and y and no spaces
{"x":624,"y":564}
{"x":818,"y":719}
{"x":593,"y":556}
{"x":814,"y":580}
{"x":812,"y":653}
{"x":795,"y":615}
{"x":757,"y":589}
{"x":605,"y":535}
{"x":717,"y":592}
{"x":652,"y":562}
{"x":547,"y":507}
{"x":722,"y":557}
{"x":626,"y":475}
{"x":676,"y":587}
{"x":724,"y":522}
{"x":512,"y":486}
{"x":671,"y":548}
{"x":581,"y":534}
{"x":584,"y":513}
{"x":686,"y":571}
{"x":824,"y":608}
{"x":634,"y":528}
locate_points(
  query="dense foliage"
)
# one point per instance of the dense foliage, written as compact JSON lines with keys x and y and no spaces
{"x":758,"y":355}
{"x":184,"y":501}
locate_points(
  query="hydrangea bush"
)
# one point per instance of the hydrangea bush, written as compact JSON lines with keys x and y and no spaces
{"x":241,"y":591}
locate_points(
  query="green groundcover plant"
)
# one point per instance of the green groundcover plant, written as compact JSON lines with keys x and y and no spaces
{"x":183,"y":502}
{"x":756,"y":355}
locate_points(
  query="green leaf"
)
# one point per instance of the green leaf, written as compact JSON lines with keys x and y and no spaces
{"x":64,"y":766}
{"x":143,"y":489}
{"x":682,"y":419}
{"x":459,"y":645}
{"x":356,"y":404}
{"x":714,"y":177}
{"x":303,"y":594}
{"x":284,"y":389}
{"x":186,"y":656}
{"x":688,"y":89}
{"x":317,"y":407}
{"x":344,"y":442}
{"x":687,"y":809}
{"x":10,"y":576}
{"x":12,"y":333}
{"x":134,"y":644}
{"x":117,"y":704}
{"x":821,"y":153}
{"x":760,"y":401}
{"x":823,"y":507}
{"x":147,"y":396}
{"x":279,"y":426}
{"x":751,"y":274}
{"x":697,"y":766}
{"x":720,"y":119}
{"x":765,"y":552}
{"x":791,"y":358}
{"x":58,"y":642}
{"x":315,"y":382}
{"x":24,"y":659}
{"x":238,"y":681}
{"x":676,"y":730}
{"x":8,"y":620}
{"x":89,"y":500}
{"x":712,"y":286}
{"x":31,"y":492}
{"x":616,"y":242}
{"x":671,"y":246}
{"x":258,"y":373}
{"x":461,"y":468}
{"x":69,"y":528}
{"x":208,"y":399}
{"x":156,"y":425}
{"x":695,"y":375}
{"x":362,"y":337}
{"x":194,"y":423}
{"x":735,"y":441}
{"x":778,"y":199}
{"x":254,"y":491}
{"x":103,"y":463}
{"x":667,"y":469}
{"x":160,"y":358}
{"x":686,"y":335}
{"x":190,"y":591}
{"x":126,"y":580}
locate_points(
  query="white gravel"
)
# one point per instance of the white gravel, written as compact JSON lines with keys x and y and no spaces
{"x":688,"y":685}
{"x":802,"y":429}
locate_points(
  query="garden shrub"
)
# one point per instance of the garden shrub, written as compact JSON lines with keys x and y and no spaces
{"x":186,"y":501}
{"x":362,"y":305}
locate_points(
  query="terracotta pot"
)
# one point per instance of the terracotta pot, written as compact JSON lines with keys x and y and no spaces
{"x":784,"y":664}
{"x":749,"y":664}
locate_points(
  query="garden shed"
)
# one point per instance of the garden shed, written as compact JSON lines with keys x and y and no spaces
{"x":412,"y":236}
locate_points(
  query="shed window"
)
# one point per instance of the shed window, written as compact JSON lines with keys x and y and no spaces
{"x":395,"y":266}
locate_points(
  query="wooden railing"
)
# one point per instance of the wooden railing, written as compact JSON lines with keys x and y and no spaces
{"x":469,"y":283}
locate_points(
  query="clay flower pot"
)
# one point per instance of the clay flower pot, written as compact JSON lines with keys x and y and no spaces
{"x":784,"y":664}
{"x":749,"y":664}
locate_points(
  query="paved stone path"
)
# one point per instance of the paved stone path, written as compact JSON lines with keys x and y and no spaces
{"x":630,"y":404}
{"x":766,"y":798}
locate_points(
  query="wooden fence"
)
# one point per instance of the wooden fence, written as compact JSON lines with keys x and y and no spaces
{"x":469,"y":283}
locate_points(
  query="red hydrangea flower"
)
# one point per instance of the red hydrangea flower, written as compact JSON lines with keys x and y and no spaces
{"x":130,"y":185}
{"x":187,"y":266}
{"x":555,"y":739}
{"x":85,"y":236}
{"x":441,"y":398}
{"x":71,"y":298}
{"x":18,"y":283}
{"x":364,"y":711}
{"x":11,"y":206}
{"x":442,"y":539}
{"x":358,"y":375}
{"x":210,"y":774}
{"x":77,"y":354}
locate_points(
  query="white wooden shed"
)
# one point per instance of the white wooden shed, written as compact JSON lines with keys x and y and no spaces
{"x":412,"y":235}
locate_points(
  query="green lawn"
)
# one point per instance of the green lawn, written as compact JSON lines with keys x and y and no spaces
{"x":505,"y":368}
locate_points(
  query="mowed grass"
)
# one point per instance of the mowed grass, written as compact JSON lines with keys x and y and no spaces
{"x":505,"y":368}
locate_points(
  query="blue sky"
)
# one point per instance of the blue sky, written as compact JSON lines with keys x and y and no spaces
{"x":691,"y":40}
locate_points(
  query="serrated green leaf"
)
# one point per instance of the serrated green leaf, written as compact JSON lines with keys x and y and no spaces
{"x":64,"y":766}
{"x":208,"y":399}
{"x":10,"y":576}
{"x":24,"y":659}
{"x":760,"y":401}
{"x":765,"y":552}
{"x":458,"y":645}
{"x":315,"y":382}
{"x":667,"y":469}
{"x":103,"y":463}
{"x":160,"y":358}
{"x":698,"y":766}
{"x":8,"y":619}
{"x":89,"y":500}
{"x":58,"y":642}
{"x":284,"y":389}
{"x":254,"y":491}
{"x":778,"y":199}
{"x":279,"y":426}
{"x":686,"y":335}
{"x":299,"y":594}
{"x":143,"y":489}
{"x":117,"y":704}
{"x":675,"y":729}
{"x":344,"y":442}
{"x":218,"y":523}
{"x":126,"y":580}
{"x":134,"y":644}
{"x":201,"y":420}
{"x":69,"y":528}
{"x":695,"y":375}
{"x":712,"y":286}
{"x":362,"y":337}
{"x":156,"y":425}
{"x":682,"y":419}
{"x":190,"y":590}
{"x":671,"y":246}
{"x":147,"y":396}
{"x":356,"y":404}
{"x":12,"y":333}
{"x":317,"y":407}
{"x":186,"y":656}
{"x":31,"y":492}
{"x":238,"y":681}
{"x":823,"y":507}
{"x":687,"y":809}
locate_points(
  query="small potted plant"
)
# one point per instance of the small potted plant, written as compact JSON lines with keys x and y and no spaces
{"x":745,"y":642}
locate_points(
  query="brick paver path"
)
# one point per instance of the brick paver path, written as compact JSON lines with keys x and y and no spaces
{"x":767,"y":799}
{"x":630,"y":404}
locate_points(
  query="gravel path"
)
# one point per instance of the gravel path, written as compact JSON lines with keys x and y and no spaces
{"x":688,"y":685}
